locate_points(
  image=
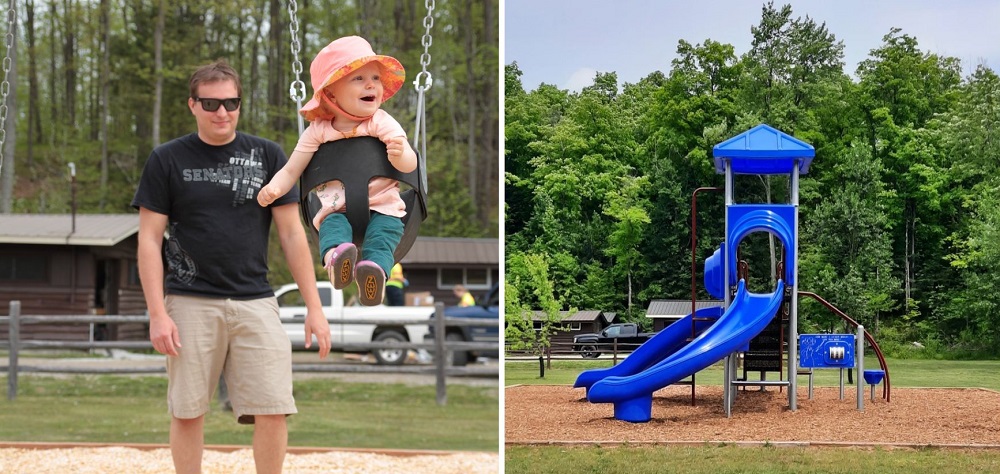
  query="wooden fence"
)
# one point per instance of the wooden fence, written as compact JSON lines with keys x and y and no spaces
{"x":570,"y":351}
{"x":439,"y":324}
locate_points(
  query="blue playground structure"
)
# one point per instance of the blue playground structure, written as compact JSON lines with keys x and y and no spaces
{"x":722,"y":333}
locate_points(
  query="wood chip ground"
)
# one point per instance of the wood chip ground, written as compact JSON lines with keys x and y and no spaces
{"x":105,"y":460}
{"x":925,"y":416}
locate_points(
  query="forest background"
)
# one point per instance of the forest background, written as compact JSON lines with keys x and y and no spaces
{"x":899,"y":213}
{"x":99,"y":83}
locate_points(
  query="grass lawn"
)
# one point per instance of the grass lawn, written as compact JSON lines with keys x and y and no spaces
{"x":108,"y":409}
{"x":733,"y":459}
{"x":745,"y":460}
{"x":903,"y":373}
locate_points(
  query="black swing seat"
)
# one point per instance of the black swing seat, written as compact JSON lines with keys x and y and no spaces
{"x":354,"y":162}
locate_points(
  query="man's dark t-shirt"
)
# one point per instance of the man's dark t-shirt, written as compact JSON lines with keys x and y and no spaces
{"x":217,"y":232}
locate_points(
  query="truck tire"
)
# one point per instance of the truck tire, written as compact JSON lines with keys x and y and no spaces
{"x":589,"y":352}
{"x":390,"y":356}
{"x":456,"y":358}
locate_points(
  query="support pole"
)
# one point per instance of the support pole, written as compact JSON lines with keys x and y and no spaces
{"x":793,"y":317}
{"x":727,"y":399}
{"x":860,"y":350}
{"x":441,"y":358}
{"x":14,"y":337}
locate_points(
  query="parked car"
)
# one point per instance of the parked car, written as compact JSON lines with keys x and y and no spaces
{"x":291,"y":305}
{"x":624,"y":337}
{"x":486,"y":308}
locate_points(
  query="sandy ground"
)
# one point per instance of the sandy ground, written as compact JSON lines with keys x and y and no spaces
{"x":126,"y":459}
{"x":926,"y":416}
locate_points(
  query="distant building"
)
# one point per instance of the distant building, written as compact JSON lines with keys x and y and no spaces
{"x":666,"y":312}
{"x":436,"y":264}
{"x":573,"y":324}
{"x":55,"y":264}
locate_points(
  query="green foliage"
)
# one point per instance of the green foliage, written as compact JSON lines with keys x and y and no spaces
{"x":528,"y":286}
{"x":66,"y":115}
{"x":898,"y":214}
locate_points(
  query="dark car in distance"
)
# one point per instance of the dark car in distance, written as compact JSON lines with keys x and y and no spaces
{"x":487,"y":308}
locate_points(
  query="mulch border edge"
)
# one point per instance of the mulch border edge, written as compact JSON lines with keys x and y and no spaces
{"x":226,"y":448}
{"x":753,"y":444}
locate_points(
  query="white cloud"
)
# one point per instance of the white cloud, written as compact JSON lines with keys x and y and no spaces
{"x":581,"y":78}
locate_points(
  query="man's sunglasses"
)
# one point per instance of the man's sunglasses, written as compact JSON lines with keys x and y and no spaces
{"x":211,"y":105}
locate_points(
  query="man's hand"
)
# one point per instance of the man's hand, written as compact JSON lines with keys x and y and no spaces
{"x":164,"y":336}
{"x":268,"y":194}
{"x":316,"y":324}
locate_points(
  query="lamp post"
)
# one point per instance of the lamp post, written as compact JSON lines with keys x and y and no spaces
{"x":72,"y":178}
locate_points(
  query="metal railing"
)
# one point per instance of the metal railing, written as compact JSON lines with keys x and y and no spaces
{"x":15,"y":345}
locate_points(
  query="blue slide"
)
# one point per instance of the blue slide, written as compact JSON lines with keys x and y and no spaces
{"x":659,"y":347}
{"x":746,"y":317}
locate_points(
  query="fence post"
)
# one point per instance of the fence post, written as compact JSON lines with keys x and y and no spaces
{"x":14,"y":336}
{"x":441,"y":359}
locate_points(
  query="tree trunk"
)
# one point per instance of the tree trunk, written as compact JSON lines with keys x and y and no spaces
{"x":105,"y":109}
{"x":7,"y":173}
{"x":491,"y":124}
{"x":34,"y":116}
{"x":69,"y":62}
{"x":158,"y":70}
{"x":53,"y":94}
{"x":906,"y":258}
{"x":470,"y":98}
{"x":275,"y":65}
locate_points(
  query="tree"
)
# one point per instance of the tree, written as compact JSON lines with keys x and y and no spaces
{"x":848,"y":255}
{"x":527,"y":285}
{"x":901,"y":88}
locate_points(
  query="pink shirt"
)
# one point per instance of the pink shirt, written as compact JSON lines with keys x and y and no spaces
{"x":383,"y":193}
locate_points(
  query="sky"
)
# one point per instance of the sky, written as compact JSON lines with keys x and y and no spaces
{"x":565,"y":42}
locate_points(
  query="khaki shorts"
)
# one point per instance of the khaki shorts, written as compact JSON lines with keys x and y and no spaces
{"x":241,"y":340}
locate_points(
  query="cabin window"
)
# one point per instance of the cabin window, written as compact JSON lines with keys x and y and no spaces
{"x":470,"y":278}
{"x":24,"y":267}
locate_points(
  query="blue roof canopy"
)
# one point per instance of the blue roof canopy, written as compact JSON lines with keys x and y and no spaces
{"x":763,"y":150}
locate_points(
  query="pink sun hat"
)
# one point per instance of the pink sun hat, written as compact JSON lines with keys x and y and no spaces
{"x":339,"y":58}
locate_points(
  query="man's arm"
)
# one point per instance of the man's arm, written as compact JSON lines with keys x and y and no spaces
{"x":300,"y":263}
{"x":162,"y":330}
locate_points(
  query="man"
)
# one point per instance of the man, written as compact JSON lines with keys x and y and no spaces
{"x":211,"y":310}
{"x":395,"y":295}
{"x":465,"y":298}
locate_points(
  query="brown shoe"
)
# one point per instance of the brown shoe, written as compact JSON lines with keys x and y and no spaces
{"x":340,"y":267}
{"x":371,"y":283}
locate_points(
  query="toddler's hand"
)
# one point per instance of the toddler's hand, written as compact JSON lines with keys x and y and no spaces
{"x":268,"y":194}
{"x":395,"y":146}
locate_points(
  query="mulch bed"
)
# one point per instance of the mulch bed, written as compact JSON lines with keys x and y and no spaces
{"x":544,"y":414}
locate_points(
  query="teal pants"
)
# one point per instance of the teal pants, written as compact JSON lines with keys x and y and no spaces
{"x":381,"y":238}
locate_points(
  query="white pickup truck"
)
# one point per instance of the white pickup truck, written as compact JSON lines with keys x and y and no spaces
{"x":291,"y":305}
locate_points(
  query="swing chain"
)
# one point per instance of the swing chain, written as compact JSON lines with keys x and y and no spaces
{"x":425,"y":58}
{"x":297,"y":90}
{"x":5,"y":85}
{"x":421,"y":83}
